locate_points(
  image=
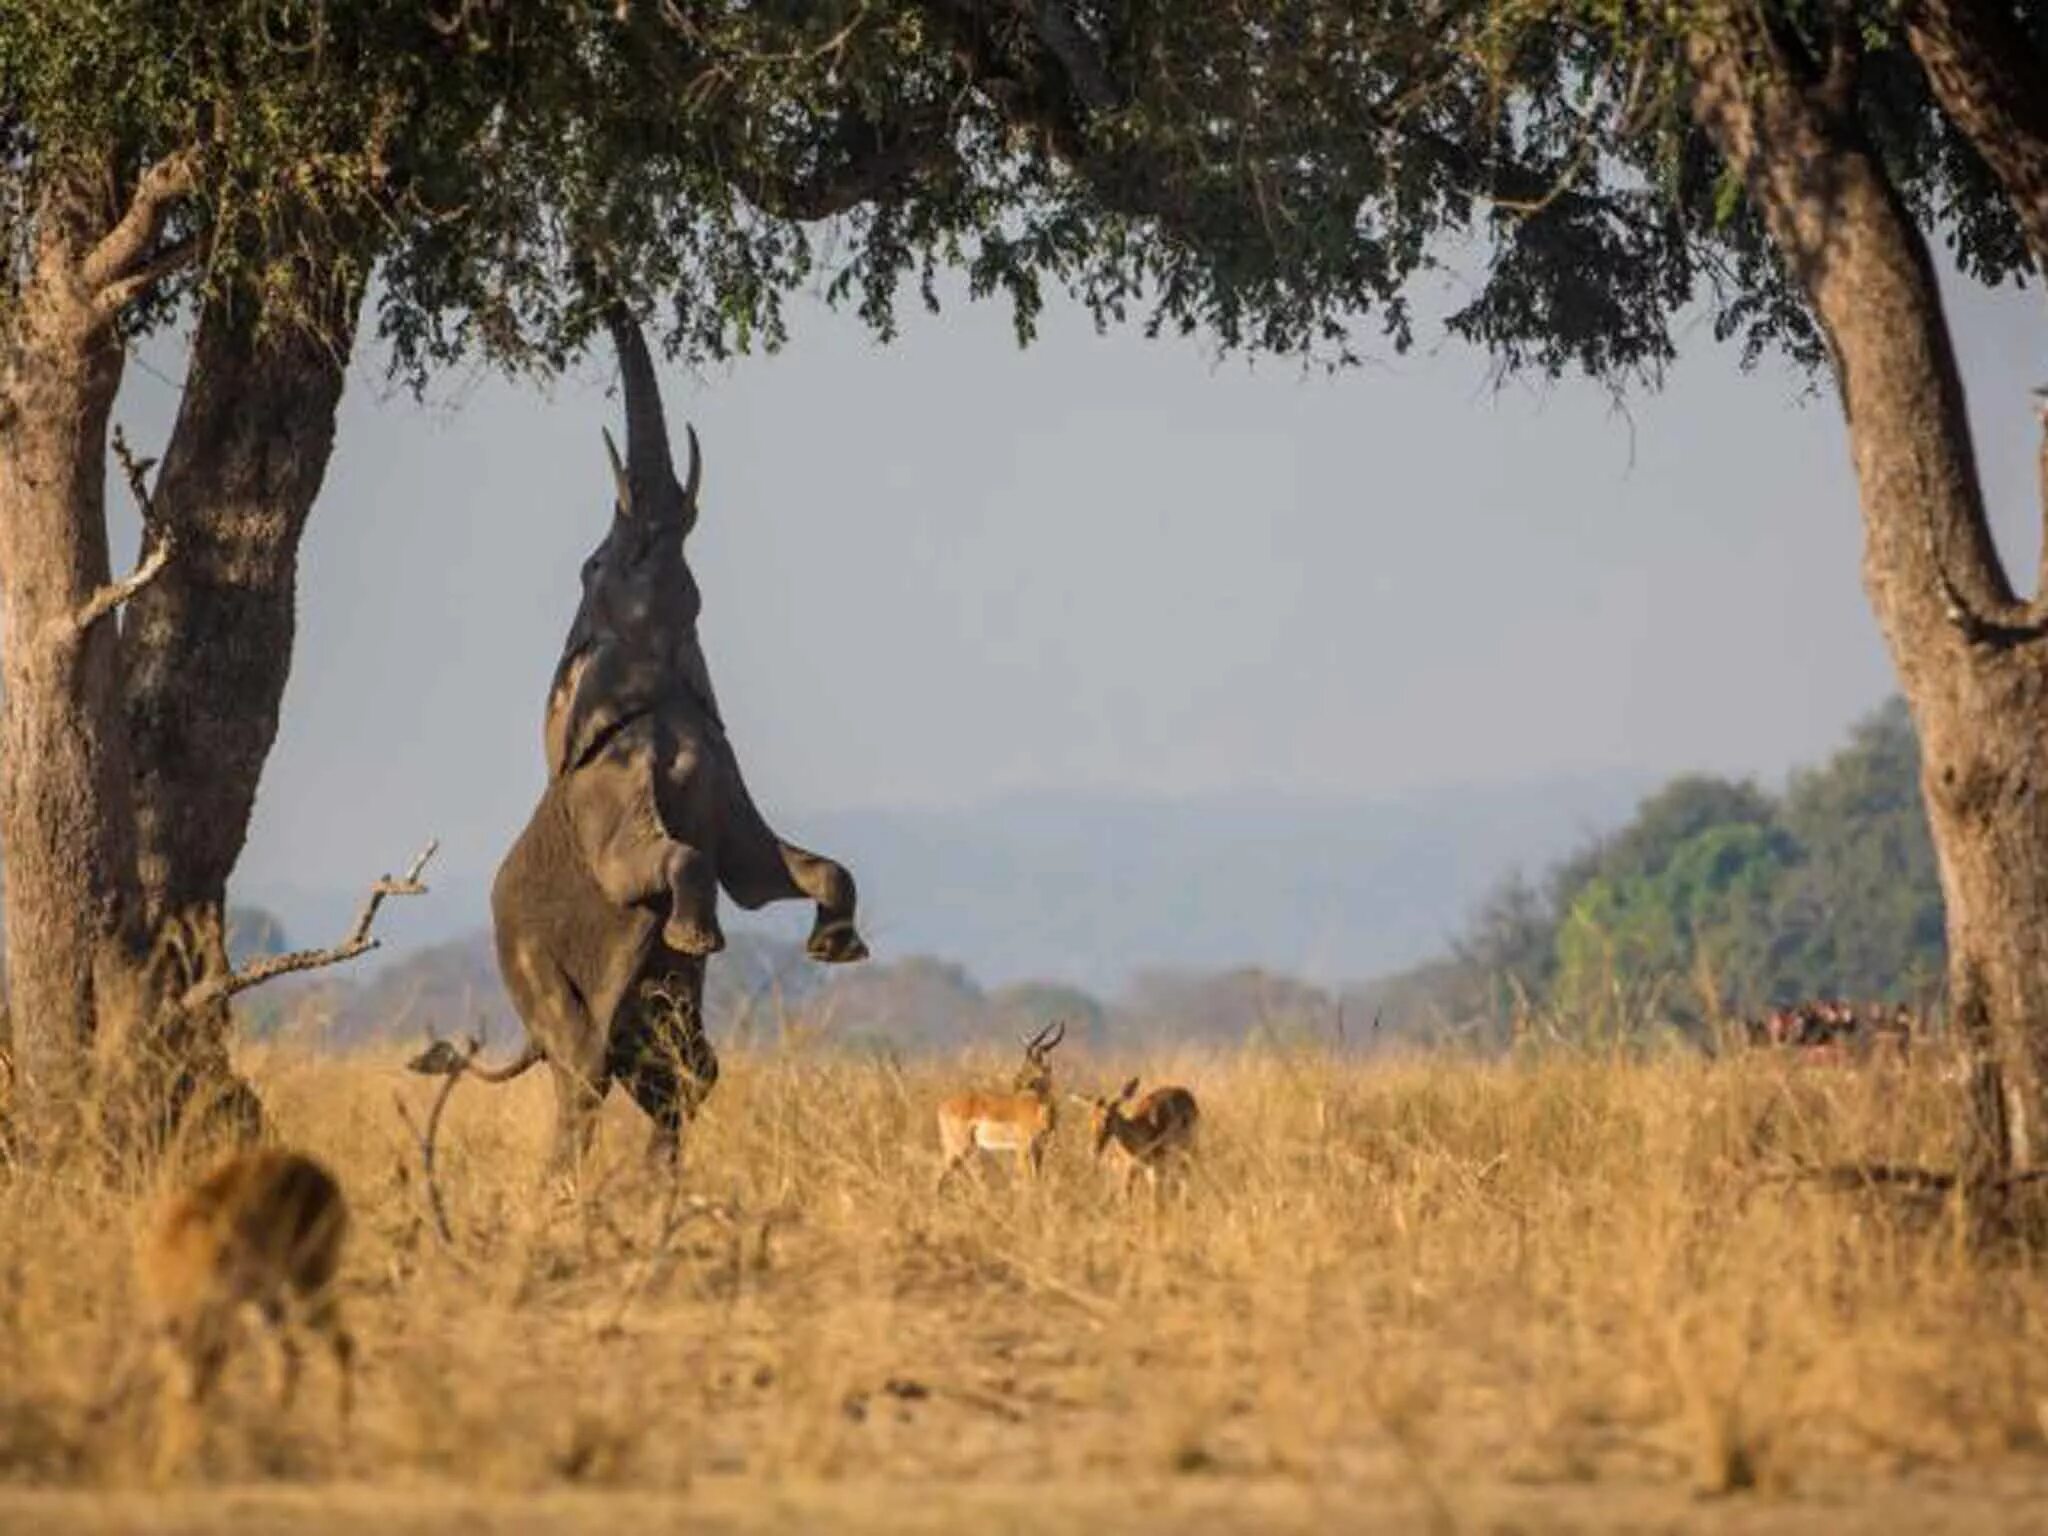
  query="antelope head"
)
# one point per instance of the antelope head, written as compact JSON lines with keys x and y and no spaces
{"x":1103,"y":1114}
{"x":1035,"y":1076}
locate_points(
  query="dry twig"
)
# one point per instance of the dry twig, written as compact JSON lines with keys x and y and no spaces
{"x":358,"y":942}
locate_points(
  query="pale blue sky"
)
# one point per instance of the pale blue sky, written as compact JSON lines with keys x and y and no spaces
{"x":948,"y":569}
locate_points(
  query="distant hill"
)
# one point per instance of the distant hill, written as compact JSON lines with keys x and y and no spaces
{"x":1091,"y":890}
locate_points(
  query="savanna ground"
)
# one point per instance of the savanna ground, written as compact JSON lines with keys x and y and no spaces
{"x":1563,"y":1294}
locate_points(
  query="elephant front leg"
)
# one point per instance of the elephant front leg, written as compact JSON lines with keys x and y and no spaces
{"x":643,"y":866}
{"x":627,"y":832}
{"x":692,"y":927}
{"x":757,"y":867}
{"x":834,"y":939}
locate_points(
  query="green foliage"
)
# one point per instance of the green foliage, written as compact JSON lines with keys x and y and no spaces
{"x":1276,"y":174}
{"x":1729,"y":899}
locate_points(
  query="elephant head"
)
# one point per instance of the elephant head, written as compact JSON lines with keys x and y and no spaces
{"x":633,"y":642}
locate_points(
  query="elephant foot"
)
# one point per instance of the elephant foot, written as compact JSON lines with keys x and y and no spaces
{"x":835,"y":943}
{"x":687,"y":937}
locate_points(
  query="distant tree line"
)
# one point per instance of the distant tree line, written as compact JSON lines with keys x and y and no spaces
{"x":1719,"y":898}
{"x":1716,"y":898}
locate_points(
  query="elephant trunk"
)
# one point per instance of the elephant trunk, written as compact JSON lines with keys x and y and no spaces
{"x":650,"y":471}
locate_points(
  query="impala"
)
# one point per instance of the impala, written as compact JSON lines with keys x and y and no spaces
{"x":1156,"y":1132}
{"x":260,"y":1237}
{"x":1020,"y":1121}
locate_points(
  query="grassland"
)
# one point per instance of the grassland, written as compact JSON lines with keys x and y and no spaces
{"x":1565,"y":1294}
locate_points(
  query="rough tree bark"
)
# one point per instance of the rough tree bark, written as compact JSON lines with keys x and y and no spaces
{"x":129,"y":760}
{"x":1972,"y":659}
{"x":206,"y":649}
{"x":64,"y":803}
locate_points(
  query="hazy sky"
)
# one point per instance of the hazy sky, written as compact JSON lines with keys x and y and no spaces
{"x":948,"y":569}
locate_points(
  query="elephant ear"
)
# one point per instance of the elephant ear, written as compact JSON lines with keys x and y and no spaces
{"x":585,"y":707}
{"x":561,"y":702}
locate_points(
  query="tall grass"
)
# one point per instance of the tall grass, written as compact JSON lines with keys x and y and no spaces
{"x":1572,"y":1269}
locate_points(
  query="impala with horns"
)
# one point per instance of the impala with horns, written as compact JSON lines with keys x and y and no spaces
{"x":1151,"y":1136}
{"x":1020,"y":1122}
{"x":606,"y":906}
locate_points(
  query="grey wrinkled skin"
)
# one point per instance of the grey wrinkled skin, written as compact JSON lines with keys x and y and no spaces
{"x":610,"y":894}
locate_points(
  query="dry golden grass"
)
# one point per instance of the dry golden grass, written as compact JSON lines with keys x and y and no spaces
{"x":1562,"y":1295}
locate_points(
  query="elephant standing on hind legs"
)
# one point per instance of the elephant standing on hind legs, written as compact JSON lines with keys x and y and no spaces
{"x":605,"y":909}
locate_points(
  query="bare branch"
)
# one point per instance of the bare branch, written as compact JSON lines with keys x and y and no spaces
{"x":114,"y":594}
{"x":424,"y":1139}
{"x":137,"y":471}
{"x":168,"y":261}
{"x":358,"y":942}
{"x":161,"y":188}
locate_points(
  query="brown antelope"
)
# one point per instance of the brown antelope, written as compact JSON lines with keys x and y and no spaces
{"x":261,"y":1234}
{"x":1020,"y":1121}
{"x":1156,"y":1132}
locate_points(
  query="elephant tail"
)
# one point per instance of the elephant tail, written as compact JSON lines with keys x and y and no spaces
{"x":445,"y":1059}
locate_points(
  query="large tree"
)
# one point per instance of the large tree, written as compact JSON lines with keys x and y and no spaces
{"x":1605,"y":168}
{"x":240,"y":171}
{"x":1275,"y":173}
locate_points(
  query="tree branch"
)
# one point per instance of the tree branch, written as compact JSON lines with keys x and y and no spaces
{"x":156,"y":537}
{"x":160,"y":189}
{"x":1999,"y":633}
{"x":1068,"y":41}
{"x":358,"y":942}
{"x":114,"y":594}
{"x":867,"y":173}
{"x":167,"y":261}
{"x":1986,"y":73}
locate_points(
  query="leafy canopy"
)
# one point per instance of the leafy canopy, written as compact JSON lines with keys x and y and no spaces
{"x":1280,"y":175}
{"x":1716,"y":887}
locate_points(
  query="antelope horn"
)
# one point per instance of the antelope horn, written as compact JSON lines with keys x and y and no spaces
{"x":620,"y":478}
{"x":696,"y":475}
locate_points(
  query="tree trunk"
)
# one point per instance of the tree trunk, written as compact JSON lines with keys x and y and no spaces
{"x":1973,"y":662}
{"x":64,"y":799}
{"x":208,"y":646}
{"x":131,"y":760}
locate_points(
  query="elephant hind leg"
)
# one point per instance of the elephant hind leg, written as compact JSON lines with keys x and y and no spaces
{"x":669,"y":1067}
{"x":578,"y":1099}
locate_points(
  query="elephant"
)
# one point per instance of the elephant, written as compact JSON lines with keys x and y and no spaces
{"x":604,"y":911}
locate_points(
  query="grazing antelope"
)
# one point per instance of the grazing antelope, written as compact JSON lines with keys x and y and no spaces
{"x":261,"y":1234}
{"x":1020,"y":1121}
{"x":1156,"y":1132}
